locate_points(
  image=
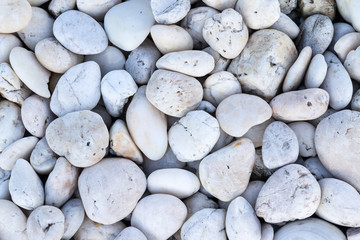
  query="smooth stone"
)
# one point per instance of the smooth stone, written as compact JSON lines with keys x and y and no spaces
{"x":208,"y":223}
{"x":197,"y":202}
{"x":117,"y":87}
{"x":241,"y":221}
{"x":291,"y":193}
{"x":12,"y":221}
{"x":223,"y":140}
{"x":267,"y":232}
{"x":10,"y":123}
{"x":311,"y":228}
{"x":232,"y":176}
{"x":95,"y":8}
{"x":141,"y":62}
{"x":14,"y":15}
{"x":355,"y":101}
{"x":348,"y":10}
{"x":121,"y":143}
{"x":340,"y":29}
{"x":21,"y":148}
{"x":194,"y":22}
{"x":191,"y":62}
{"x":8,"y":42}
{"x":300,"y":105}
{"x":252,"y":191}
{"x":171,"y":38}
{"x":169,"y":160}
{"x":74,"y":214}
{"x":226,"y":33}
{"x":108,"y":60}
{"x":316,"y":72}
{"x":54,"y":57}
{"x":39,"y":28}
{"x":345,"y":44}
{"x":169,"y":12}
{"x":286,"y":6}
{"x":30,"y":71}
{"x":286,"y":25}
{"x":130,"y":233}
{"x":239,"y":112}
{"x":36,"y":115}
{"x":305,"y":133}
{"x":61,"y":183}
{"x":81,"y":137}
{"x":77,"y":89}
{"x":259,"y":14}
{"x":262,"y":65}
{"x":110,"y":203}
{"x":340,"y":155}
{"x":159,"y":216}
{"x":128,"y":24}
{"x":316,"y":168}
{"x":340,"y":203}
{"x":220,"y":4}
{"x":174,"y":181}
{"x":182,"y":93}
{"x":256,"y":133}
{"x":98,"y":231}
{"x":337,"y":83}
{"x":25,"y":186}
{"x":193,"y":136}
{"x":280,"y":145}
{"x":4,"y":184}
{"x":42,"y":158}
{"x":351,"y":61}
{"x":219,"y":86}
{"x":296,"y":72}
{"x":11,"y":88}
{"x":316,"y":32}
{"x":57,"y":7}
{"x":221,"y":63}
{"x":80,"y":33}
{"x":324,"y":7}
{"x":45,"y":222}
{"x":143,"y":119}
{"x":353,"y":234}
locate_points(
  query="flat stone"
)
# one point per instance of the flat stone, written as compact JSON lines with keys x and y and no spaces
{"x":290,"y":193}
{"x":232,"y":176}
{"x":110,"y":203}
{"x":239,"y":112}
{"x":14,"y":15}
{"x":138,"y":15}
{"x":77,"y":89}
{"x":80,"y":33}
{"x":81,"y":137}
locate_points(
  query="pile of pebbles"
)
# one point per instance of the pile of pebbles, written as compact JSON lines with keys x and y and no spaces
{"x":180,"y":119}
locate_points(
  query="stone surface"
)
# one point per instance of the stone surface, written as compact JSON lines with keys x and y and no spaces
{"x":340,"y":29}
{"x":232,"y":176}
{"x":13,"y":221}
{"x":30,"y":71}
{"x":219,"y":4}
{"x":280,"y":145}
{"x":300,"y":105}
{"x":130,"y":233}
{"x":74,"y":214}
{"x":15,"y":15}
{"x":90,"y":229}
{"x":256,"y":133}
{"x":305,"y":133}
{"x":182,"y":93}
{"x":290,"y":193}
{"x":345,"y":44}
{"x":193,"y":136}
{"x":287,"y":26}
{"x":263,"y":63}
{"x":8,"y":42}
{"x":252,"y":191}
{"x":348,"y":10}
{"x":316,"y":72}
{"x":286,"y":6}
{"x":80,"y":33}
{"x":159,"y":216}
{"x":143,"y":119}
{"x":316,"y":168}
{"x":169,"y":12}
{"x":95,"y":8}
{"x":239,"y":112}
{"x":110,"y":203}
{"x":81,"y":137}
{"x":325,"y":7}
{"x":25,"y":186}
{"x":351,"y":61}
{"x":226,"y":33}
{"x":77,"y":89}
{"x":128,"y":24}
{"x":42,"y":158}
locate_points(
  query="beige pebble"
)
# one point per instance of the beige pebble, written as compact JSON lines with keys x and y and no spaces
{"x":345,"y":44}
{"x":14,"y":15}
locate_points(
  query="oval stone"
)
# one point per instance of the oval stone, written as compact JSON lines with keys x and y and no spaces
{"x":14,"y":15}
{"x":74,"y":213}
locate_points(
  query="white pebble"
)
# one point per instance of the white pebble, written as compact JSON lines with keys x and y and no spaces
{"x":169,"y":12}
{"x":130,"y":233}
{"x":94,"y":230}
{"x":14,"y":15}
{"x":96,"y":8}
{"x":348,"y":10}
{"x":345,"y":44}
{"x":13,"y":221}
{"x":252,"y":191}
{"x":220,"y":4}
{"x":316,"y":168}
{"x":286,"y":25}
{"x":42,"y":158}
{"x":305,"y":133}
{"x":351,"y":61}
{"x":7,"y":42}
{"x":316,"y":72}
{"x":74,"y":214}
{"x":221,"y":63}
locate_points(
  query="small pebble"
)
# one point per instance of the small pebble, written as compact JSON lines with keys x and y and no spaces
{"x":252,"y":191}
{"x":221,"y":63}
{"x":286,"y":6}
{"x":287,"y":26}
{"x":305,"y":133}
{"x":74,"y":214}
{"x":130,"y":233}
{"x":348,"y":10}
{"x":197,"y":202}
{"x":351,"y":61}
{"x":57,"y":7}
{"x":316,"y":72}
{"x":42,"y":158}
{"x":169,"y":12}
{"x":340,"y":29}
{"x":220,"y":4}
{"x":256,"y":133}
